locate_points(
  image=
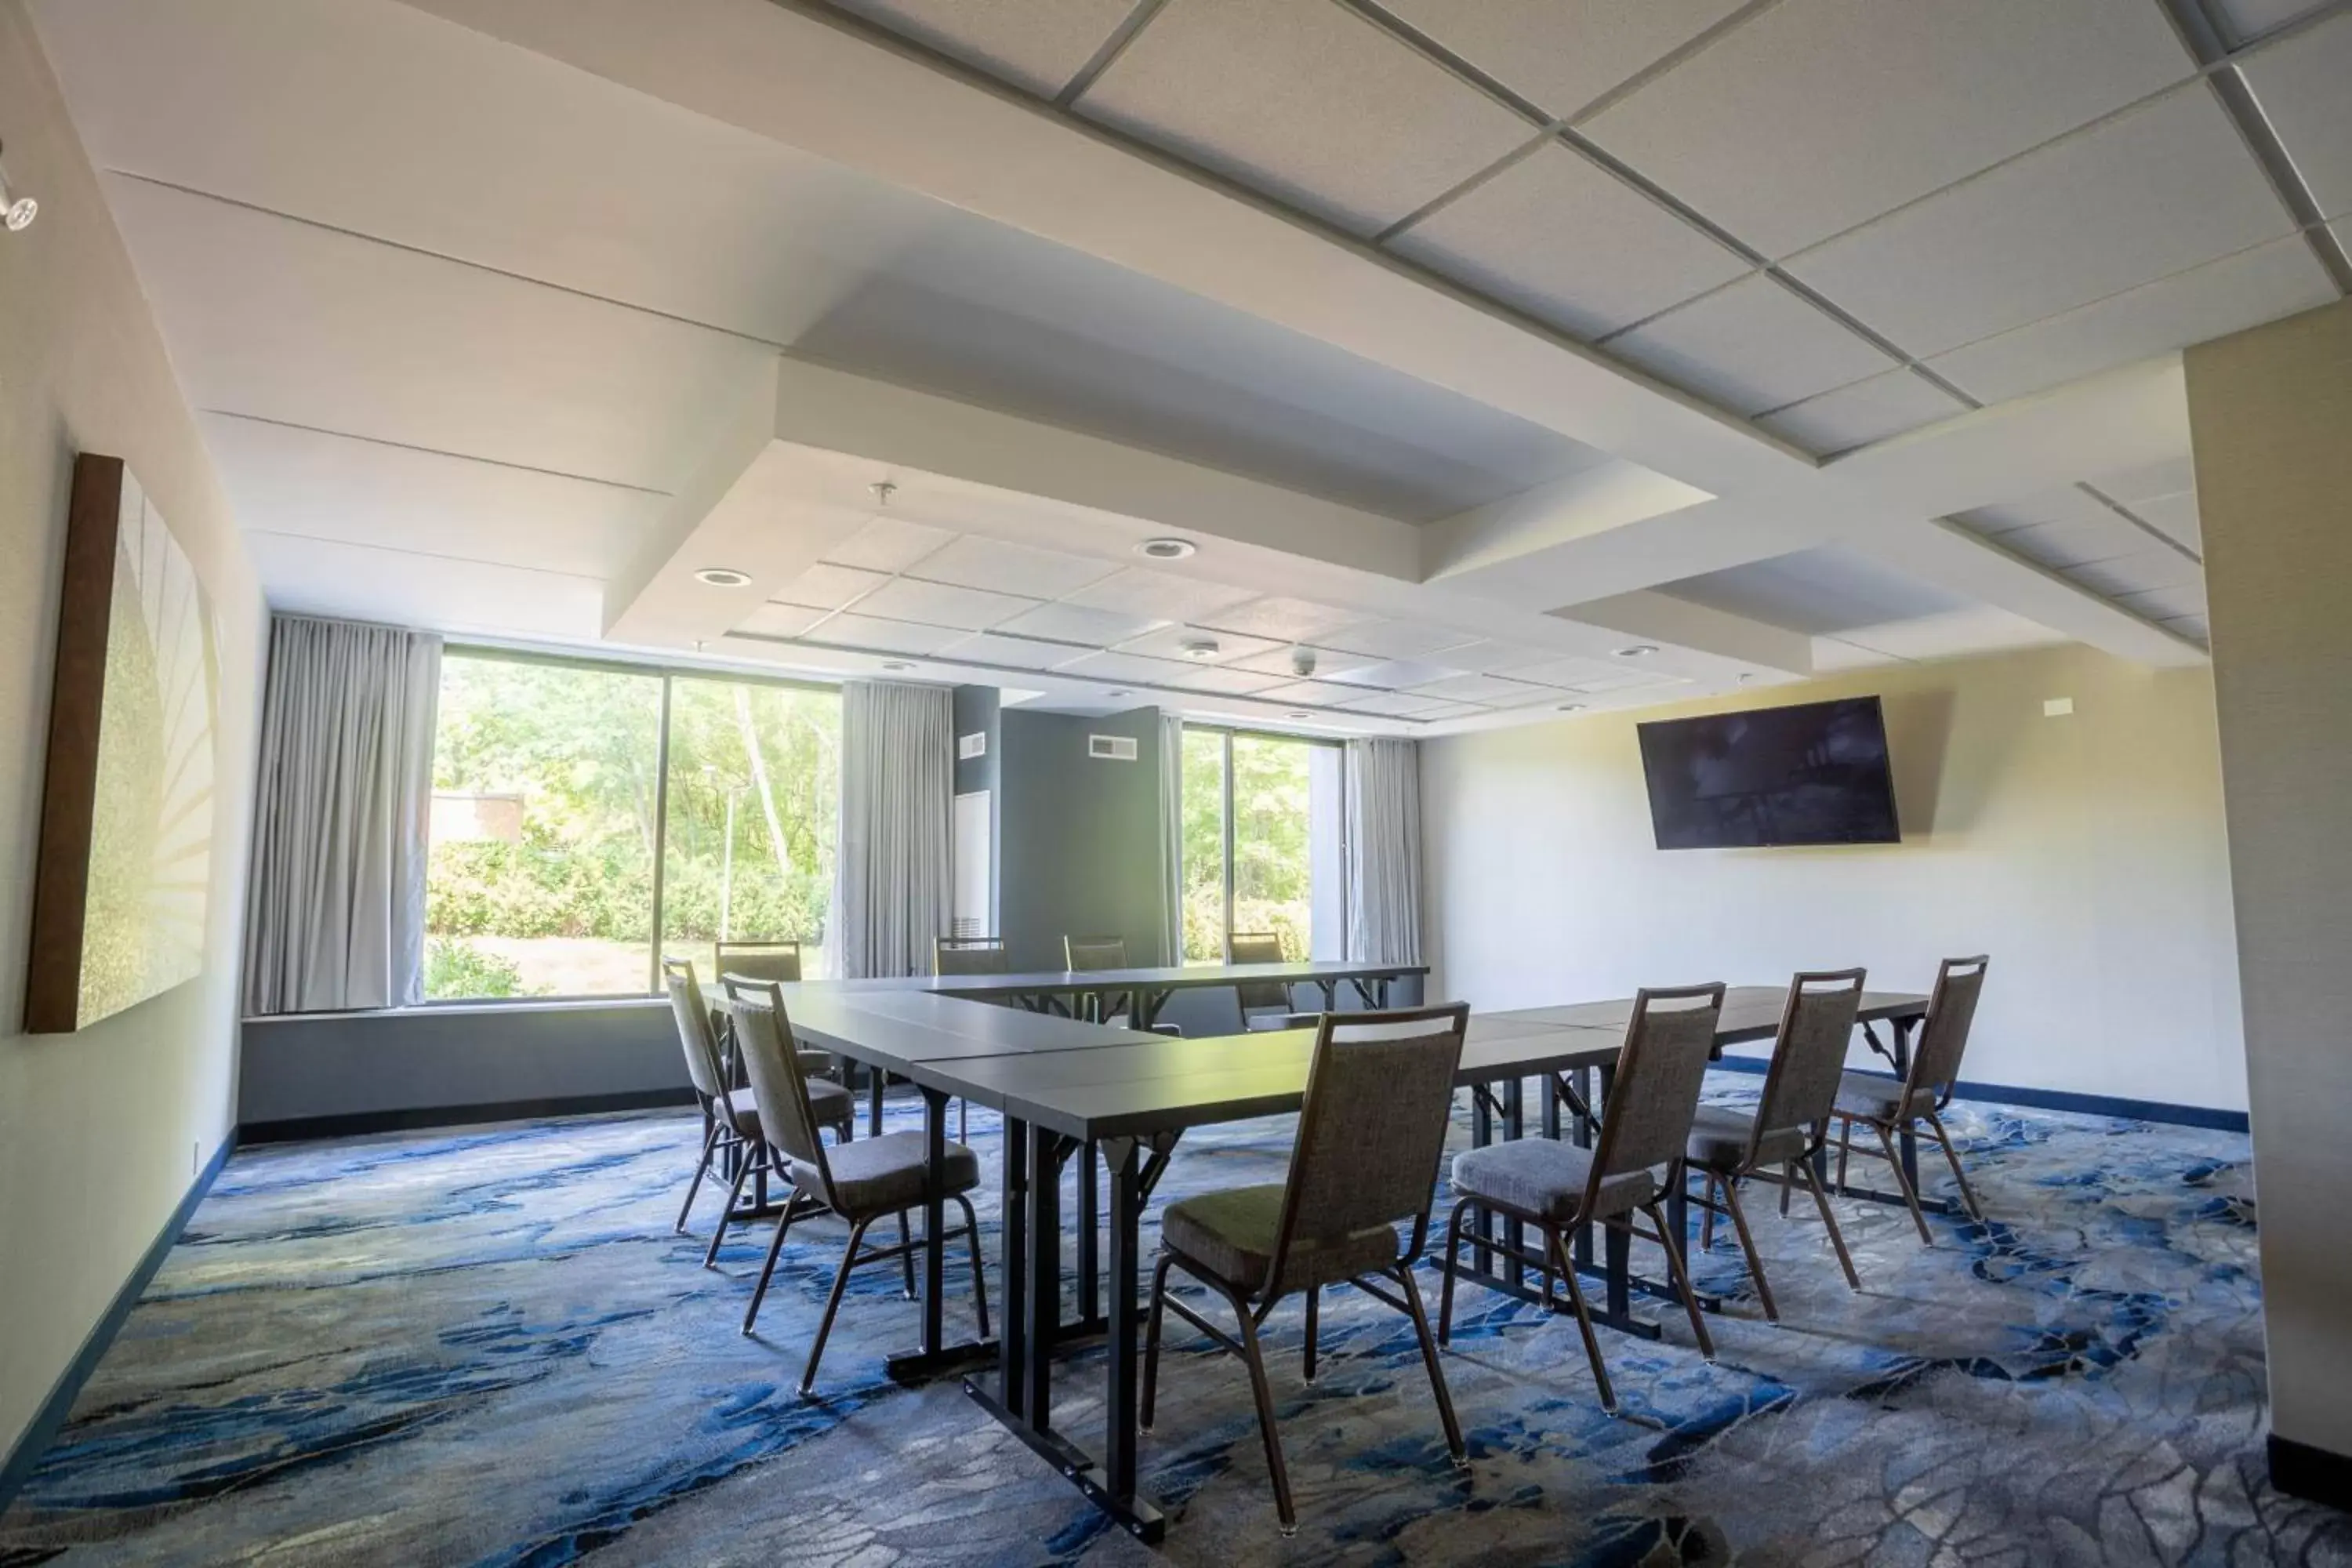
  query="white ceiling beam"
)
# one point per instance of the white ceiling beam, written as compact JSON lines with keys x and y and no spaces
{"x":1660,"y":618}
{"x":1589,"y":501}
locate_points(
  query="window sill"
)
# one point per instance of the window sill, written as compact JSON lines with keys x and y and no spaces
{"x":484,"y":1006}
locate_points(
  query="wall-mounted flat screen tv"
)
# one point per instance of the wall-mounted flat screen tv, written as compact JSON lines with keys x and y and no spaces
{"x":1815,"y":774}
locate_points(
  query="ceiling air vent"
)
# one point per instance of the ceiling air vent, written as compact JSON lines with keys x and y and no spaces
{"x":1111,"y":748}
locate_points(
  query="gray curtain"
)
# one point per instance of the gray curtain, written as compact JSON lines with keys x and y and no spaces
{"x":1384,"y":851}
{"x":1171,"y":832}
{"x":342,"y":808}
{"x":891,"y":886}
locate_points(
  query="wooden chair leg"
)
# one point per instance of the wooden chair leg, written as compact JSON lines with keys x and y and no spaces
{"x":979,"y":1279}
{"x":1952,"y":1157}
{"x":1903,"y":1180}
{"x":1151,"y":1342}
{"x":1253,"y":1355}
{"x":768,"y":1270}
{"x":1445,"y":1285}
{"x":709,"y":1142}
{"x":1453,"y":1444}
{"x":833,"y":1304}
{"x":1748,"y":1246}
{"x":1314,"y":1301}
{"x":1837,"y":1237}
{"x":1667,"y":1239}
{"x":1559,"y":1241}
{"x":742,"y":1174}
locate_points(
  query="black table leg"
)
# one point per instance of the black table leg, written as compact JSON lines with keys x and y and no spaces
{"x":1045,"y":1279}
{"x":1013,"y":1267}
{"x":1514,"y":1128}
{"x":1481,"y":1220}
{"x":1331,"y":990}
{"x":1126,"y":1322}
{"x":1583,"y":1135}
{"x":877,"y":1080}
{"x":1089,"y":1235}
{"x":934,"y":1355}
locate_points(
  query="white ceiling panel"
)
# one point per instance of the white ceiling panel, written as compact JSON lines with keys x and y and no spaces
{"x":1753,"y":346}
{"x":1864,"y":412}
{"x":2168,"y":477}
{"x":2060,"y":545}
{"x":331,"y":577}
{"x":1019,"y":653}
{"x":1169,"y":643}
{"x":2174,"y":516}
{"x":1037,"y":45}
{"x":1330,"y":664}
{"x":1955,"y":634}
{"x":2166,"y":605}
{"x":1158,"y":595}
{"x":2254,"y":286}
{"x":284,"y":480}
{"x":826,"y":586}
{"x":1283,"y":619}
{"x":1314,"y":693}
{"x":2163,"y":188}
{"x":2152,"y":568}
{"x":2194,"y":627}
{"x":304,"y":326}
{"x":889,"y":544}
{"x":972,"y":561}
{"x":2065,"y":504}
{"x":1391,"y":704}
{"x":1562,"y":55}
{"x":2250,"y":19}
{"x":942,"y":604}
{"x":1307,"y":103}
{"x":1491,"y":658}
{"x":1226,"y":681}
{"x":2304,"y":86}
{"x":775,"y":620}
{"x":1557,"y":238}
{"x":1488,"y":692}
{"x":1818,"y":592}
{"x":1568,"y":674}
{"x":1081,"y":624}
{"x":1391,"y":675}
{"x":1821,"y":115}
{"x":877,"y":636}
{"x":1126,"y":666}
{"x":1397,"y":639}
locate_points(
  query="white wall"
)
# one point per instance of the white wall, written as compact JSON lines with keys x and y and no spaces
{"x":101,"y":1131}
{"x":2085,"y":854}
{"x":2270,"y":411}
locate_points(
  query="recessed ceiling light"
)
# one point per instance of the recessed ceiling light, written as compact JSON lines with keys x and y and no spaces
{"x":1167,"y":549}
{"x":896,"y":664}
{"x":1571,"y":707}
{"x":1298,"y":713}
{"x":1115,"y":692}
{"x":1745,"y":676}
{"x":1198,"y":648}
{"x":1639,"y":650}
{"x":723,"y":578}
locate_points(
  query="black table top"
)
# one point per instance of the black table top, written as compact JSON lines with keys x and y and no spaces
{"x":1749,"y":1012}
{"x":1160,"y":977}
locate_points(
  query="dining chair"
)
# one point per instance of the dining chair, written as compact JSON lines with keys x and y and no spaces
{"x":730,"y":1119}
{"x":1790,"y":1120}
{"x":778,"y":961}
{"x":1559,"y":1188}
{"x":1889,"y":1107}
{"x":1371,"y":1130}
{"x":860,"y":1181}
{"x":1262,"y":997}
{"x":1080,"y":953}
{"x":968,"y":955}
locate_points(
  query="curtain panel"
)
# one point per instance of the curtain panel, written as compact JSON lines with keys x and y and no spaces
{"x":343,"y":814}
{"x":1384,"y":851}
{"x":893,"y":892}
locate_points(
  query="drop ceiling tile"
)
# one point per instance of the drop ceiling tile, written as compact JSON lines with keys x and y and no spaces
{"x":2060,"y":545}
{"x":1753,"y":346}
{"x":2169,"y":604}
{"x":2165,"y":188}
{"x":1488,"y":692}
{"x":877,"y":636}
{"x":972,"y":561}
{"x":1398,"y":639}
{"x":889,"y":544}
{"x":1329,"y":663}
{"x":1491,"y":658}
{"x":2304,"y":86}
{"x":1394,"y":675}
{"x":1160,"y":595}
{"x":1555,"y":236}
{"x":1569,"y":674}
{"x":2195,"y":627}
{"x":2146,"y":482}
{"x":1312,"y":693}
{"x":1126,"y":667}
{"x":1277,"y":616}
{"x":1821,"y":115}
{"x":1305,"y":101}
{"x":1864,"y":412}
{"x":829,"y":587}
{"x":1953,"y":634}
{"x":1563,"y":54}
{"x":779,"y":620}
{"x":2153,"y":566}
{"x":1226,"y":681}
{"x":1389,"y":704}
{"x":942,"y":604}
{"x":1019,"y":653}
{"x":2174,"y":516}
{"x":2254,"y":286}
{"x":1169,"y":643}
{"x":1081,"y":624}
{"x":2065,"y":504}
{"x":1036,"y":45}
{"x":1438,"y":712}
{"x":1626,"y":679}
{"x":2250,"y":19}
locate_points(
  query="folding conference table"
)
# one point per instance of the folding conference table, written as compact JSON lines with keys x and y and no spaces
{"x":1053,"y":990}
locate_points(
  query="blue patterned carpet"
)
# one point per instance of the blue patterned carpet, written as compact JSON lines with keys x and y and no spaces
{"x":488,"y":1347}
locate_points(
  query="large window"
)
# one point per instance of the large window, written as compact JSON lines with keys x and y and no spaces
{"x":1262,"y":844}
{"x":559,"y":788}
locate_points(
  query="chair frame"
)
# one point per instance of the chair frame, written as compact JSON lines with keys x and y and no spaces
{"x":1794,"y":1173}
{"x":1943,"y":1003}
{"x":1556,"y":1232}
{"x":724,"y":953}
{"x":1097,"y":1005}
{"x":973,"y":946}
{"x":1274,"y":1289}
{"x":1242,"y":990}
{"x":767,"y":996}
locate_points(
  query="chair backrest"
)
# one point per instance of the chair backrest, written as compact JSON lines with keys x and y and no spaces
{"x":1259,"y":947}
{"x":1944,"y":1037}
{"x":695,"y":1033}
{"x":1094,"y":951}
{"x":778,"y":961}
{"x":1646,"y":1120}
{"x":1379,"y":1096}
{"x":763,"y":1037}
{"x":1808,"y":1054}
{"x":968,"y":955}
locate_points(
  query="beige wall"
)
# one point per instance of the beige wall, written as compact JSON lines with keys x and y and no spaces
{"x":101,"y":1131}
{"x":2086,"y":854}
{"x":2271,"y":413}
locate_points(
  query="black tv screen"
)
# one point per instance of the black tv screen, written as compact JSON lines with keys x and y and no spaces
{"x":1816,"y":774}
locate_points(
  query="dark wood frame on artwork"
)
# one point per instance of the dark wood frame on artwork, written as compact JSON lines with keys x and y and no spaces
{"x":70,"y":786}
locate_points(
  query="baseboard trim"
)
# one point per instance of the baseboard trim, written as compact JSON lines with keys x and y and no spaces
{"x":424,"y":1118}
{"x":2301,"y":1470}
{"x":50,"y":1419}
{"x":2063,"y":1100}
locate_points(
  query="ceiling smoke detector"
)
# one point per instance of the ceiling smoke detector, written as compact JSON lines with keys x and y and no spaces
{"x":723,"y":578}
{"x":1198,"y":648}
{"x":1639,"y":650}
{"x":1302,"y":662}
{"x":1167,"y":549}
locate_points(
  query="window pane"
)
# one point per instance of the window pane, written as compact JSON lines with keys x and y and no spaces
{"x":540,"y":877}
{"x":754,"y":805}
{"x":1204,"y":846}
{"x":1273,"y":858}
